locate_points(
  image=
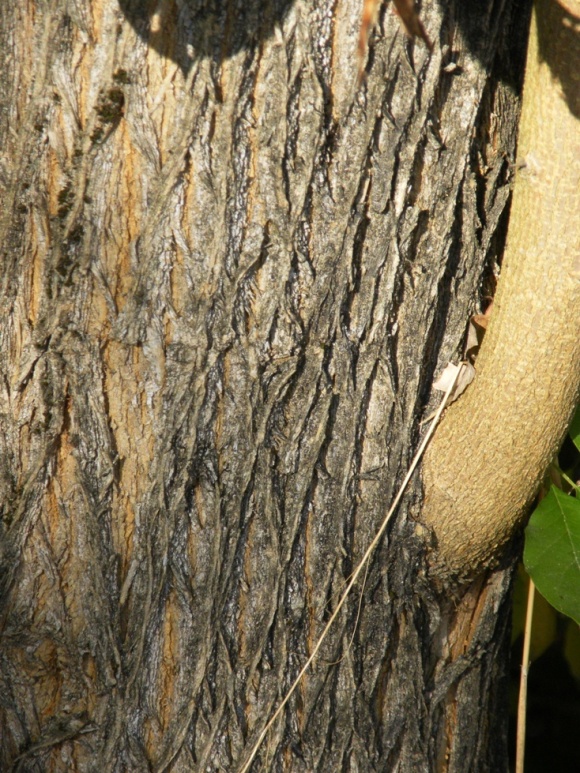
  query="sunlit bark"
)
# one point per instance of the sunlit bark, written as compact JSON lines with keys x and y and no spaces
{"x":230,"y":274}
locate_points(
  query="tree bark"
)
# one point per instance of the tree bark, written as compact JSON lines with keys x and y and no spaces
{"x":231,"y":274}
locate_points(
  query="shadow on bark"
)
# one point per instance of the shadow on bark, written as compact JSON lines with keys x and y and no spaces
{"x":188,"y":30}
{"x":565,"y":27}
{"x":203,"y":28}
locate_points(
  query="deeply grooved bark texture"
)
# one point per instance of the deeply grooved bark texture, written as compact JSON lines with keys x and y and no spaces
{"x":230,"y":274}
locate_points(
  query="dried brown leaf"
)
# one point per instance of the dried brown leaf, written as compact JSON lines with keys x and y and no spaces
{"x":411,"y":21}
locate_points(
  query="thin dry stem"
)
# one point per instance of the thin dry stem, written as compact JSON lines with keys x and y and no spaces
{"x":522,"y":700}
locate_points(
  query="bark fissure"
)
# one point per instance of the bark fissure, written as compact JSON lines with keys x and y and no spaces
{"x":230,"y":272}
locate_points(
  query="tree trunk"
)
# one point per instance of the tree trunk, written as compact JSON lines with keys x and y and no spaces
{"x":231,"y":273}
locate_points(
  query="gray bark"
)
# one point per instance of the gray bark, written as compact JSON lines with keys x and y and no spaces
{"x":230,"y":276}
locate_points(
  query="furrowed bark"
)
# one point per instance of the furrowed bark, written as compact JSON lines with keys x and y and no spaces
{"x":229,"y":274}
{"x":492,"y":449}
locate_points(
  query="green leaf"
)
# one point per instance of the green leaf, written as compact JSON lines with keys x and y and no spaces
{"x":574,"y":430}
{"x":552,"y":551}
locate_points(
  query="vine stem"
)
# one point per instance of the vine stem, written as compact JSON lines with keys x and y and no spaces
{"x":423,"y":445}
